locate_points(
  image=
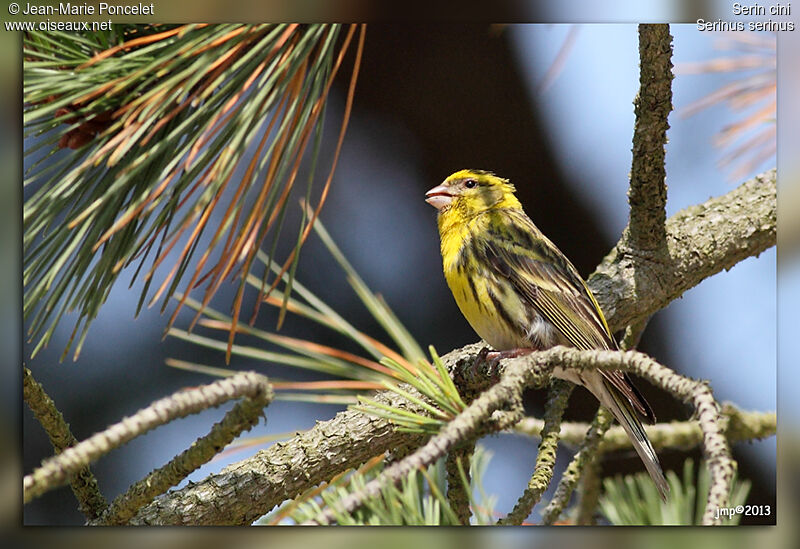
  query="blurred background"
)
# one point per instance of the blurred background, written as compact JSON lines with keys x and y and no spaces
{"x":432,"y":99}
{"x":547,"y":106}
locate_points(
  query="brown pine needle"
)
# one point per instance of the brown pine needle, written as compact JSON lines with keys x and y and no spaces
{"x":342,"y":131}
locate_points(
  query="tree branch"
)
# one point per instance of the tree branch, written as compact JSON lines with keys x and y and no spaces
{"x":534,"y":370}
{"x":246,"y":490}
{"x":702,"y":241}
{"x":457,"y":490}
{"x":241,"y":417}
{"x":83,"y":483}
{"x":545,"y":455}
{"x":739,"y":425}
{"x":647,"y":194}
{"x":58,"y":469}
{"x":586,"y":455}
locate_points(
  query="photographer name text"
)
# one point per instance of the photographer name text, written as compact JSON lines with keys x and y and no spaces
{"x":102,"y":8}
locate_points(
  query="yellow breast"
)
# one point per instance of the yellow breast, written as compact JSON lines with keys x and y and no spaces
{"x":489,"y":303}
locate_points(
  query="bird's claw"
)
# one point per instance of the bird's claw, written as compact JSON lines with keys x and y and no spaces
{"x":487,"y":363}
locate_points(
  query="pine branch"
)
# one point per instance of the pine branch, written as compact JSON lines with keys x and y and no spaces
{"x":702,"y":240}
{"x":159,"y":124}
{"x":246,"y":490}
{"x":534,"y":370}
{"x":647,"y":194}
{"x":83,"y":483}
{"x":545,"y":454}
{"x":58,"y":469}
{"x":739,"y":425}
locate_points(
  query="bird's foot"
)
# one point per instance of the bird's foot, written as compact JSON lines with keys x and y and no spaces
{"x":497,"y":356}
{"x":471,"y":370}
{"x":488,"y":362}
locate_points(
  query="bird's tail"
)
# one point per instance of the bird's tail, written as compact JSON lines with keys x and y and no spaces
{"x":627,"y":416}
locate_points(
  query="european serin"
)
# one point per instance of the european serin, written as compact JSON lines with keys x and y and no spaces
{"x":518,"y":291}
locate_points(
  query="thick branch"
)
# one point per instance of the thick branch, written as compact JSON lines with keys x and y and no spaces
{"x":248,"y":489}
{"x":647,"y":194}
{"x":703,"y":240}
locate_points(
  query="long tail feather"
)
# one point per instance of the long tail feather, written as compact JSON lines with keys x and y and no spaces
{"x":625,"y":414}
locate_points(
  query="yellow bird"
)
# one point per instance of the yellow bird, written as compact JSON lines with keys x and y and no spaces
{"x":518,"y":291}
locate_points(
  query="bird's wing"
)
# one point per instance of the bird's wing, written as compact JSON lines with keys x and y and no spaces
{"x":546,"y":279}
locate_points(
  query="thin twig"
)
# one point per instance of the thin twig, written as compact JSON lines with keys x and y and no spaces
{"x":589,"y":492}
{"x":698,"y":393}
{"x":740,"y":425}
{"x":546,"y":454}
{"x":56,"y":470}
{"x":457,"y":489}
{"x":83,"y":483}
{"x":586,"y":454}
{"x":241,"y":417}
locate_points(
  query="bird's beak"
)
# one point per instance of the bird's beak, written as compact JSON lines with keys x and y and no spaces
{"x":439,"y":197}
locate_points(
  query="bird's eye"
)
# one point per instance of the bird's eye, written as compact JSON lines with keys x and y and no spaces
{"x":470,"y":183}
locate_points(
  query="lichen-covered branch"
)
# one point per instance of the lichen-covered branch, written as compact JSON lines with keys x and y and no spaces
{"x":457,"y":490}
{"x":739,"y":425}
{"x":83,"y":483}
{"x":56,"y":470}
{"x":546,"y":453}
{"x":248,"y":489}
{"x":586,"y":454}
{"x":702,"y":241}
{"x":241,"y":417}
{"x":698,"y":393}
{"x":647,"y":193}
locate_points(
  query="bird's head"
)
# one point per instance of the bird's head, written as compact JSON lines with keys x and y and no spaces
{"x":472,"y":192}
